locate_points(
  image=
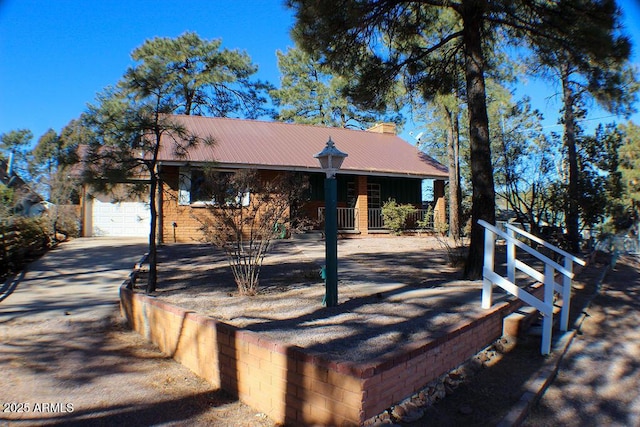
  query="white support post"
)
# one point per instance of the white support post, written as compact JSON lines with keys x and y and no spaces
{"x":489,"y":256}
{"x":566,"y":295}
{"x":547,"y":320}
{"x":511,"y":256}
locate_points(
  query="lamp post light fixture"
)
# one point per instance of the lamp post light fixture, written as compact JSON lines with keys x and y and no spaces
{"x":331,"y":159}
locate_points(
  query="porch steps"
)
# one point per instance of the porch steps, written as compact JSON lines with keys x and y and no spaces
{"x":536,"y":327}
{"x":519,"y":321}
{"x":526,"y":320}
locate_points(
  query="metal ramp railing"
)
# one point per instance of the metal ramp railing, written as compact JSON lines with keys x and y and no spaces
{"x":547,"y":278}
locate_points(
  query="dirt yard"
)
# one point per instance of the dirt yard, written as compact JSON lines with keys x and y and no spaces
{"x":392,"y":291}
{"x":599,"y":379}
{"x":112,"y":376}
{"x":70,"y":373}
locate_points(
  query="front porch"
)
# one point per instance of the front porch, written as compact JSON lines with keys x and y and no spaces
{"x":420,"y":220}
{"x":360,"y":200}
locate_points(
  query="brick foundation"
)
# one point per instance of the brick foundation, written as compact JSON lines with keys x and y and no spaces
{"x":295,"y":387}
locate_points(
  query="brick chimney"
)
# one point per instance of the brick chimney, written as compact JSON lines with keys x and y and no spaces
{"x":389,"y":128}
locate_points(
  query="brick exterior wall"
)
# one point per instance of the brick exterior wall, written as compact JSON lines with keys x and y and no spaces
{"x":362,"y":204}
{"x":295,"y":387}
{"x":183,"y":223}
{"x":180,"y":223}
{"x":187,"y":227}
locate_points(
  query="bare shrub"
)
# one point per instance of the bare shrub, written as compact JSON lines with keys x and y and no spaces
{"x":248,"y":211}
{"x":456,"y":249}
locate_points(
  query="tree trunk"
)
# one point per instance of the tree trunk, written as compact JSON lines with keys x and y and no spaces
{"x":483,"y":206}
{"x":453,"y":146}
{"x":153,"y":271}
{"x":160,"y":211}
{"x":572,"y":215}
{"x":188,"y":102}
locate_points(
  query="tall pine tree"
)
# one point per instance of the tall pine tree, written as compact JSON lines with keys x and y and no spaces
{"x":378,"y":43}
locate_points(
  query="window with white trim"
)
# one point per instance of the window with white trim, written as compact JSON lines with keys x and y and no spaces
{"x":197,"y":189}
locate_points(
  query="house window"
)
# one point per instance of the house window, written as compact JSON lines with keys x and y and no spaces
{"x":184,"y":186}
{"x":197,"y":189}
{"x":373,"y":195}
{"x":352,"y":197}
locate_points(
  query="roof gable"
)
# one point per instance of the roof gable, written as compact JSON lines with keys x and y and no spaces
{"x":286,"y":146}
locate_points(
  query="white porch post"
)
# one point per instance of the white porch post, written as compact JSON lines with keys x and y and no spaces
{"x":489,"y":256}
{"x":547,"y":320}
{"x":566,"y":295}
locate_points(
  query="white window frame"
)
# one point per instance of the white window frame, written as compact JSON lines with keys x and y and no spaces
{"x":184,"y":192}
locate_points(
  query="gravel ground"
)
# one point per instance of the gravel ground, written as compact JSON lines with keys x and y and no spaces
{"x":598,"y":382}
{"x":391,"y":292}
{"x":62,"y":372}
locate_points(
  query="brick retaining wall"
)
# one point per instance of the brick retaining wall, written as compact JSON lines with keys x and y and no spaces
{"x":292,"y":386}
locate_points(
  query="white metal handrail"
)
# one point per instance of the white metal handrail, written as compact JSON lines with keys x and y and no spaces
{"x":569,"y":260}
{"x":547,"y":278}
{"x":544,"y":243}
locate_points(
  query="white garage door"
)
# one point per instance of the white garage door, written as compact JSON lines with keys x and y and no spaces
{"x":125,"y":219}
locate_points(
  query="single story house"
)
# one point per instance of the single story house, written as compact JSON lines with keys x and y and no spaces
{"x":380,"y":166}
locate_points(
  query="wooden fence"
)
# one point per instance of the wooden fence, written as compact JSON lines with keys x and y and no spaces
{"x":18,"y":244}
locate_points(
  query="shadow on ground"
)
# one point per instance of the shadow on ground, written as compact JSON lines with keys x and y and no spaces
{"x":161,"y":412}
{"x":103,"y":374}
{"x":599,"y":379}
{"x":486,"y":397}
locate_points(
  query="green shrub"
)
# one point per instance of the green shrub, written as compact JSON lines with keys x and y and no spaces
{"x":395,"y":215}
{"x":427,"y":222}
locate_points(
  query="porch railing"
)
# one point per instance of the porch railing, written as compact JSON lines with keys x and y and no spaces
{"x":415,"y":220}
{"x":375,"y":220}
{"x":419,"y":220}
{"x":347,"y":218}
{"x":490,"y":277}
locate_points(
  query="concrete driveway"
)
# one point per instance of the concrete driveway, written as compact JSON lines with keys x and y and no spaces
{"x":78,"y":279}
{"x":66,"y":359}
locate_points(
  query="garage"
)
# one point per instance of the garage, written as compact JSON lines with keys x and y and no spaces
{"x":123,"y":219}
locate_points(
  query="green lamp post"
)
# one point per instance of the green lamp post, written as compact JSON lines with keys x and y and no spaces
{"x":331,"y":159}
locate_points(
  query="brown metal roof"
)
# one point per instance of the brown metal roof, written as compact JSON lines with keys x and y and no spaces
{"x":285,"y":146}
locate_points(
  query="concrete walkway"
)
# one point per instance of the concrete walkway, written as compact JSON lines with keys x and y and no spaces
{"x":79,"y":279}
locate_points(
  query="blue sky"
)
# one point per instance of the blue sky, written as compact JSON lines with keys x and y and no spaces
{"x":56,"y":55}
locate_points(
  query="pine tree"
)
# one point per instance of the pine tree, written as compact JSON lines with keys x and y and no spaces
{"x":310,"y":94}
{"x":127,"y":122}
{"x":378,"y":43}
